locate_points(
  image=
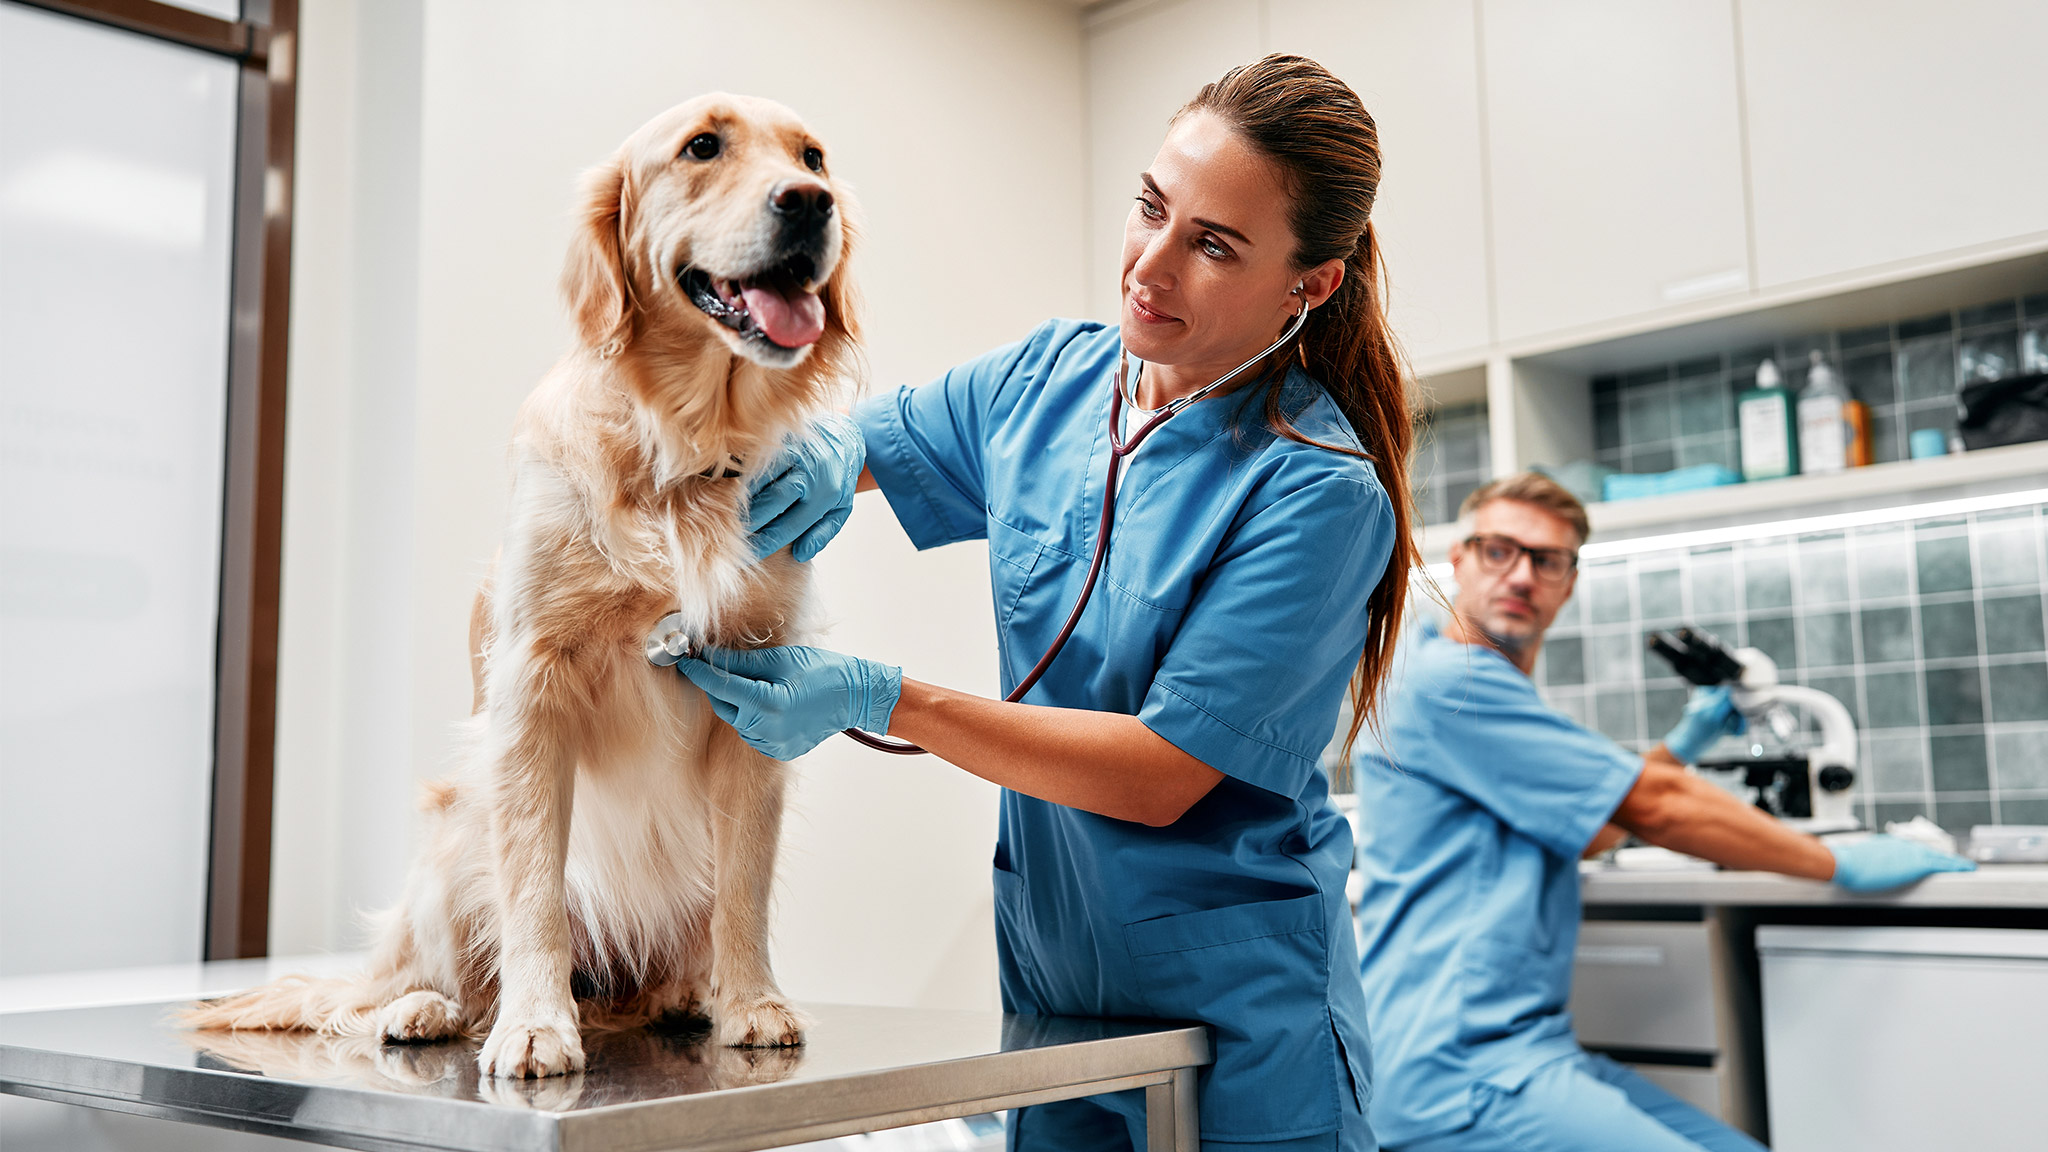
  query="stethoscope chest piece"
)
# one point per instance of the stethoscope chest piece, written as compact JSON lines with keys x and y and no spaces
{"x":668,"y":642}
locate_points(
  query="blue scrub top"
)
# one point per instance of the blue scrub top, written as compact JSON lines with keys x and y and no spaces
{"x":1479,"y":800}
{"x":1229,"y":618}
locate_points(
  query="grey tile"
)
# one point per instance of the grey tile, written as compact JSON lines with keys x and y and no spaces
{"x":1887,"y":634}
{"x":1956,"y":696}
{"x":1992,"y":355}
{"x":2006,"y":553}
{"x":1773,"y":635}
{"x":1927,"y":368}
{"x":1606,"y":422}
{"x":1925,"y":326}
{"x":1649,"y":461}
{"x":1870,"y":378}
{"x":1704,"y":406}
{"x":1571,"y":702}
{"x":1875,"y":334}
{"x":1572,"y":613}
{"x":2013,"y":623}
{"x":1948,"y":629}
{"x":1661,"y":709}
{"x":1723,"y":449}
{"x":1648,"y":415}
{"x":1564,"y":661}
{"x":1842,"y":686}
{"x":1881,"y":564}
{"x":1940,"y":416}
{"x":2029,"y":810}
{"x":1998,"y":312}
{"x":1957,"y":817}
{"x":1959,"y":763}
{"x":2019,"y":691}
{"x":1605,"y":589}
{"x":1823,"y":572}
{"x":1766,"y":579}
{"x":2020,"y":753}
{"x":1658,"y":595}
{"x":1461,"y":446}
{"x":1713,"y":585}
{"x":1614,"y":714}
{"x":1897,"y":811}
{"x":1893,"y":699}
{"x":1898,"y":763}
{"x":1455,"y":492}
{"x":1943,"y":562}
{"x":1826,"y":641}
{"x":1614,"y":657}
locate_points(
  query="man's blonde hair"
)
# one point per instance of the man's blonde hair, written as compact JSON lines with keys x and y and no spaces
{"x":1531,"y":488}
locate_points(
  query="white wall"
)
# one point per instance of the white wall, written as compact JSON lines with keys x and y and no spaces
{"x":425,"y":309}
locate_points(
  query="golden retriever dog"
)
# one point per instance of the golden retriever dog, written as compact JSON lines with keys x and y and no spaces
{"x":602,"y":855}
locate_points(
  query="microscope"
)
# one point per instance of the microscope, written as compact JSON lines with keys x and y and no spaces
{"x":1810,"y":789}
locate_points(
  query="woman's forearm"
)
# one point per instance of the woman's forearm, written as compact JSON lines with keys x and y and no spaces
{"x":1102,"y":762}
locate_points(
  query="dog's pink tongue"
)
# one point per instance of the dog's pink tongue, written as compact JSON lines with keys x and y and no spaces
{"x":793,"y":321}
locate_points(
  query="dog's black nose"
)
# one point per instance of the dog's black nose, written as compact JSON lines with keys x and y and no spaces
{"x":801,"y":201}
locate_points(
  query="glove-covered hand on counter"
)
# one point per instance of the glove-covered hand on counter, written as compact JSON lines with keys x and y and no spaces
{"x":1709,"y":715}
{"x":1881,"y":862}
{"x":786,"y":701}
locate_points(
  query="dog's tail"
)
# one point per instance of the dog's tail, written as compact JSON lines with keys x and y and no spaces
{"x":337,"y":1006}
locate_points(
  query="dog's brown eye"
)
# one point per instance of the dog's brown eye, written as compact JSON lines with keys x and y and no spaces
{"x":814,"y":160}
{"x":703,"y":146}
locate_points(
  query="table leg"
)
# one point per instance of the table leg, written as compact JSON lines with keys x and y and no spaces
{"x":1171,"y":1121}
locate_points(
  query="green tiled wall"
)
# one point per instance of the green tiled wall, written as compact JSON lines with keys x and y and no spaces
{"x":1931,"y":632}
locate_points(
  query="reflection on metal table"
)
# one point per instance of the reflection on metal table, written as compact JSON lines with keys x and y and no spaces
{"x":863,"y":1069}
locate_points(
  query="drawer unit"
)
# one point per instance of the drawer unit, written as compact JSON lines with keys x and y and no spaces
{"x":1664,"y":993}
{"x":1644,"y":985}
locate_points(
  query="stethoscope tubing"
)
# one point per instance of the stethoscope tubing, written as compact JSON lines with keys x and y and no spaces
{"x":1118,"y":449}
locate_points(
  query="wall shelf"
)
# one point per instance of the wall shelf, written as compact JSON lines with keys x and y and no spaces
{"x":1991,"y":470}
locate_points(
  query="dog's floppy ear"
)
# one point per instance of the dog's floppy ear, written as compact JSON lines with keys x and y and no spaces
{"x":842,"y":306}
{"x":594,"y":280}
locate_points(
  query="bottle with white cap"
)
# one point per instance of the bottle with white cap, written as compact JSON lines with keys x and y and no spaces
{"x":1764,"y":418}
{"x":1833,"y":429}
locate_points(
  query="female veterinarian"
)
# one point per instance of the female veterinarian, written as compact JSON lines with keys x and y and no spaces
{"x":1168,"y":847}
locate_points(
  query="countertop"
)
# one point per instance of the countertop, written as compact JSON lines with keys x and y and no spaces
{"x":1991,"y":886}
{"x":861,"y":1069}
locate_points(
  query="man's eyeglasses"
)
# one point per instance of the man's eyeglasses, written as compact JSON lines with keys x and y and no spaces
{"x":1498,"y":554}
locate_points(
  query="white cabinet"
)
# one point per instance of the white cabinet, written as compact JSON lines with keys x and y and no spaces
{"x":1615,"y":153}
{"x":1141,"y":68}
{"x":1880,"y":1038}
{"x":1885,"y":132}
{"x":1416,"y":67}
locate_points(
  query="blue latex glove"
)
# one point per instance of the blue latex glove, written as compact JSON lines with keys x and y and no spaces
{"x":785,"y":701}
{"x":1882,"y":862}
{"x":802,"y":500}
{"x":1709,"y":715}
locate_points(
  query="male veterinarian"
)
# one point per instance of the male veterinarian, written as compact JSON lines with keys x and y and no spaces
{"x":1479,"y":801}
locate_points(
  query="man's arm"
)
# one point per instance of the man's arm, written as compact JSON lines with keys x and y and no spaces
{"x":1674,"y":809}
{"x":1609,"y":835}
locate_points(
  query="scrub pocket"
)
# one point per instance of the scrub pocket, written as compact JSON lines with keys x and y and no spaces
{"x":1258,"y":975}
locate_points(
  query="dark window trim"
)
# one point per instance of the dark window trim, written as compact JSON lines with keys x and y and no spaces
{"x":265,"y":45}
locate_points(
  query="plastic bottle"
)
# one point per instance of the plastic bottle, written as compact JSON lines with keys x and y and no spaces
{"x":1834,"y":429}
{"x":1764,"y":417}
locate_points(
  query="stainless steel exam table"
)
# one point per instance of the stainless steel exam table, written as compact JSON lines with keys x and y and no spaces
{"x":863,"y":1069}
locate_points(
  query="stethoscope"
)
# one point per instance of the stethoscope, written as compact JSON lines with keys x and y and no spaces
{"x":669,"y":642}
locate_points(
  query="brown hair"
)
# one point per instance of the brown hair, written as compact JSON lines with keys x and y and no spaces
{"x":1531,"y":488}
{"x":1315,"y":130}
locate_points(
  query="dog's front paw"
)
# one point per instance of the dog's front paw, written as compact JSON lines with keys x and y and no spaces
{"x":763,"y":1020}
{"x":525,"y":1049}
{"x":418,"y":1017}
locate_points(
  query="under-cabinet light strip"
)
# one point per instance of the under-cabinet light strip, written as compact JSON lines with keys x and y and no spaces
{"x":1806,"y":525}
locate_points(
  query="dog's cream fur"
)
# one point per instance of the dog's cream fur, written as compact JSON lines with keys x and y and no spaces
{"x":603,"y":825}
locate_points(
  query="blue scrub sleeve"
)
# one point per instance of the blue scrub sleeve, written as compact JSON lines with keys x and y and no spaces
{"x":1494,"y":741}
{"x":927,"y":446}
{"x":1251,"y":682}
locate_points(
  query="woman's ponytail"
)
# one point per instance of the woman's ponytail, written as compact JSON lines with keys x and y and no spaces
{"x":1314,"y":127}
